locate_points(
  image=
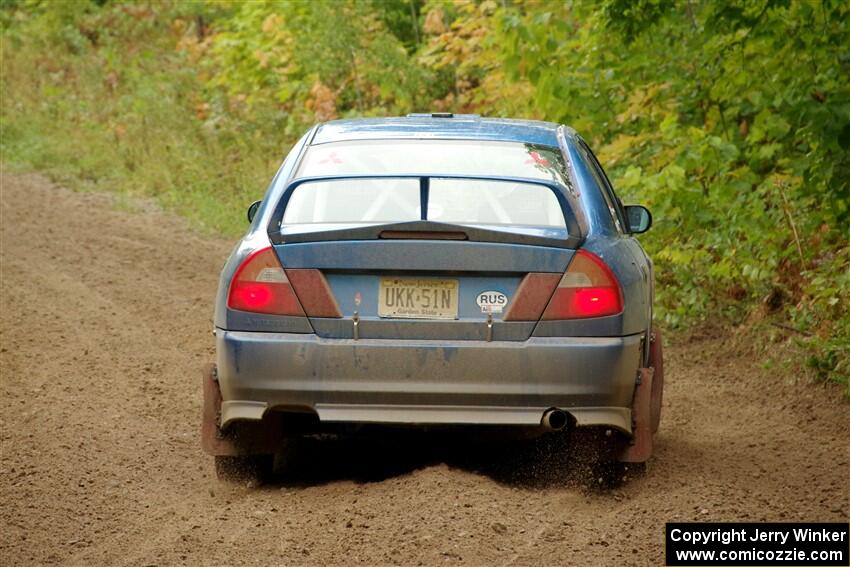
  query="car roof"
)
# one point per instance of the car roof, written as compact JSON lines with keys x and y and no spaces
{"x":443,"y":126}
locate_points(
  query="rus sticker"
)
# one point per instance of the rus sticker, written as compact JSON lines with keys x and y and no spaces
{"x":491,"y":301}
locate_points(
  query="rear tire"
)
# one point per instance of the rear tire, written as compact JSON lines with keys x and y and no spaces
{"x":252,"y":469}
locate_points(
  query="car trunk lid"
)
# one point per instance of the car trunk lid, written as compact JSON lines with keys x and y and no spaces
{"x":424,"y":289}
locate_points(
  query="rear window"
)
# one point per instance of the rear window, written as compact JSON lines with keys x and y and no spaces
{"x":455,"y":201}
{"x":386,"y":199}
{"x":500,"y":203}
{"x":373,"y":201}
{"x":433,"y":157}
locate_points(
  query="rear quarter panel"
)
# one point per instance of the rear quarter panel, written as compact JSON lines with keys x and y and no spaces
{"x":619,"y":250}
{"x":256,"y":238}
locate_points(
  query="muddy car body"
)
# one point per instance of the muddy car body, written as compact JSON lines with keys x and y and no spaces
{"x":436,"y":271}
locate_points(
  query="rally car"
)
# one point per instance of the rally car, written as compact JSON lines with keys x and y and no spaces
{"x":435,"y":270}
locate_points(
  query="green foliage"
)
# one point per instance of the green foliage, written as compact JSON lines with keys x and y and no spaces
{"x":730,"y":119}
{"x":314,"y":61}
{"x":402,"y":18}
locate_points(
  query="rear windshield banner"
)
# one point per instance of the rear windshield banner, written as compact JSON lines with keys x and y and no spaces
{"x":757,"y":544}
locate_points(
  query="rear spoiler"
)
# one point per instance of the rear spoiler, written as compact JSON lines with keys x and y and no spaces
{"x":572,"y":237}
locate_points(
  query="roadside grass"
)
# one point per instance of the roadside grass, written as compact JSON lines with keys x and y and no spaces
{"x":133,"y":131}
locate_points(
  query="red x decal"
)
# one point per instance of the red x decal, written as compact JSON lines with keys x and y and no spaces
{"x":537,"y":159}
{"x":332,"y":158}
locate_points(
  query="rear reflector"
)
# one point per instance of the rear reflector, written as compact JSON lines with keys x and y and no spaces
{"x":588,"y":289}
{"x":531,"y":296}
{"x":314,"y":293}
{"x":260,"y":286}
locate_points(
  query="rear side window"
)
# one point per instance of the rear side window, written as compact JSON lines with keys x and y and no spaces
{"x":611,"y":201}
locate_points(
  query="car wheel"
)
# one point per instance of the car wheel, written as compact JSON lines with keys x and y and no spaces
{"x":656,"y":360}
{"x":244,"y":469}
{"x":291,"y":454}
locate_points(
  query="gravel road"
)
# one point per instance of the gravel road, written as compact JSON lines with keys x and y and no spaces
{"x":106,"y":319}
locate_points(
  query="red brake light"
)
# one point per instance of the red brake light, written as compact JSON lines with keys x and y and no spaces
{"x":587,"y":289}
{"x":260,"y":285}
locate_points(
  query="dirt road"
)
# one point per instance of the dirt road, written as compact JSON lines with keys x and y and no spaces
{"x":106,"y":320}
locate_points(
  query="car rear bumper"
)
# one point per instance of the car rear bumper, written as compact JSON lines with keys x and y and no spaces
{"x":428,"y":381}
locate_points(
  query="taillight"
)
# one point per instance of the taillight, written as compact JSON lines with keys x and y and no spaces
{"x":587,"y":289}
{"x":260,"y":285}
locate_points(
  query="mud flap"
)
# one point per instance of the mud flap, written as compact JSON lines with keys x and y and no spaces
{"x":656,"y":361}
{"x":213,"y":440}
{"x":640,"y":447}
{"x":252,"y":438}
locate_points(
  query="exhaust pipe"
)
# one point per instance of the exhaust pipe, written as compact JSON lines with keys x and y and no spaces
{"x":554,"y":419}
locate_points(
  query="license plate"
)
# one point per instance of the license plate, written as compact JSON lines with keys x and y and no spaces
{"x":418,"y":298}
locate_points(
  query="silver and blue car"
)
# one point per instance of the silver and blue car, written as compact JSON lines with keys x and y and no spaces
{"x":435,"y":270}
